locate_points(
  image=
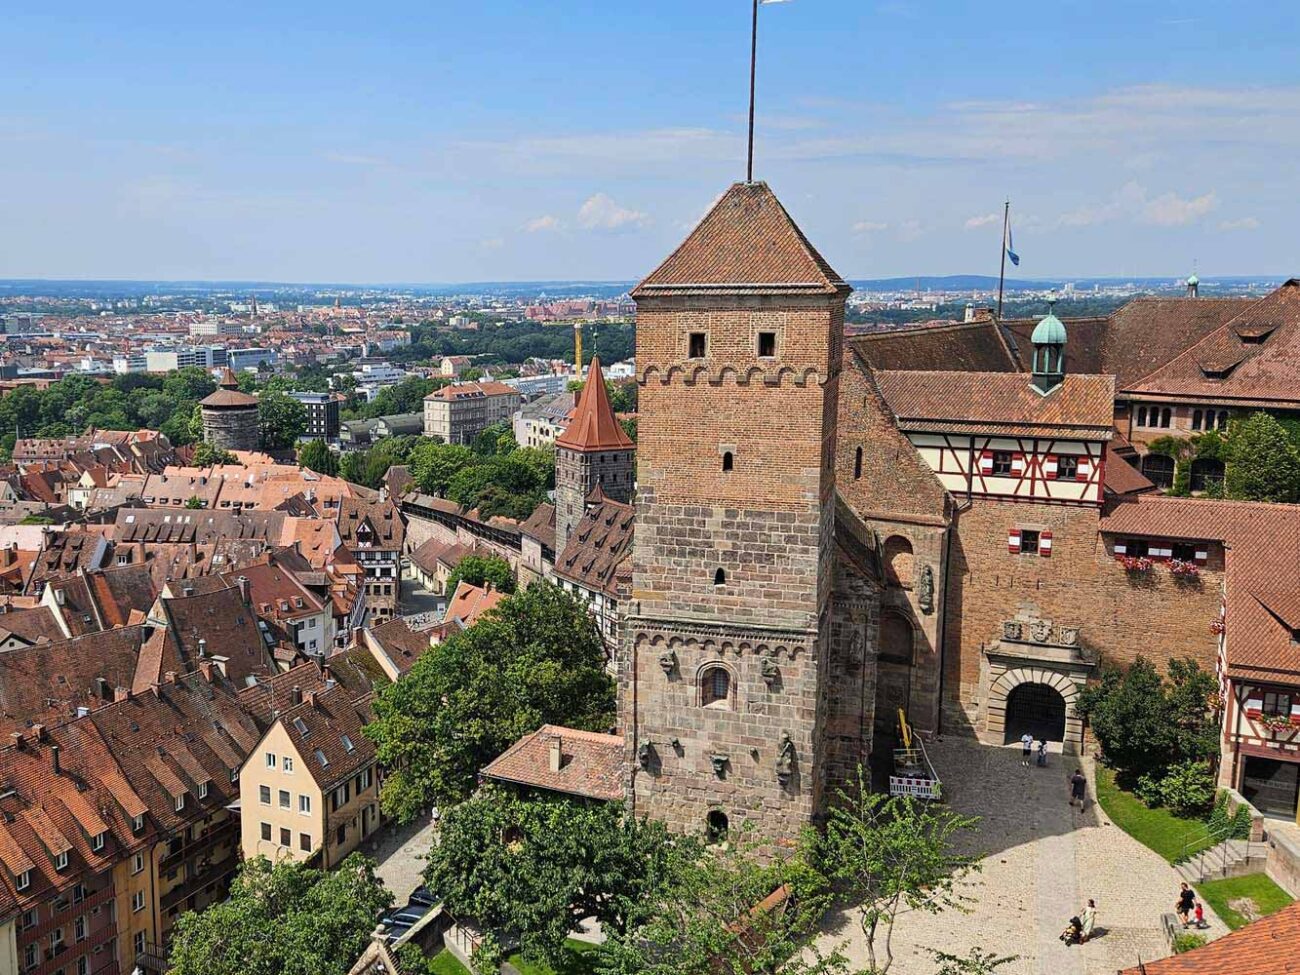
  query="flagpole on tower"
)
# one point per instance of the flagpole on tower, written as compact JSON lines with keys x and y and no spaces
{"x":753,"y":71}
{"x":1002,"y":275}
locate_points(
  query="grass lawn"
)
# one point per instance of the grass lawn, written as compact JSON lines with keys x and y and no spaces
{"x":1158,"y":829}
{"x":574,"y":963}
{"x":445,"y":963}
{"x":1268,"y":896}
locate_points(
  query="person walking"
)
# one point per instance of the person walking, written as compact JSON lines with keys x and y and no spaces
{"x":1186,"y":901}
{"x":1089,"y":917}
{"x":1026,"y":747}
{"x":1078,"y":783}
{"x":1042,"y":753}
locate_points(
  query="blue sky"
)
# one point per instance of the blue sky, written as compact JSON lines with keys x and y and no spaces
{"x":494,"y":139}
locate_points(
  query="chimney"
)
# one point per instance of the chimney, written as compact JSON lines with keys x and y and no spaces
{"x":242,"y":582}
{"x":121,"y":694}
{"x":169,"y":677}
{"x":310,"y":698}
{"x":295,"y":695}
{"x":54,"y":758}
{"x":187,"y":591}
{"x":221,"y":662}
{"x":16,"y":738}
{"x":557,"y":755}
{"x":205,"y":668}
{"x":103,"y":689}
{"x":38,"y":732}
{"x":203,"y":647}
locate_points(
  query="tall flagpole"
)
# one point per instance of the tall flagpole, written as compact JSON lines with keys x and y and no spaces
{"x":753,"y":68}
{"x":1002,"y":275}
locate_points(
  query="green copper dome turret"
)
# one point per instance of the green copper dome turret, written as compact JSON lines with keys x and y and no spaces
{"x":1049,"y":351}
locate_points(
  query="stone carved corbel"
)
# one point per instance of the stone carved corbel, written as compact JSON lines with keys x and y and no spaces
{"x":668,"y":661}
{"x":644,"y":754}
{"x":769,"y":670}
{"x":719,"y":763}
{"x":925,"y":590}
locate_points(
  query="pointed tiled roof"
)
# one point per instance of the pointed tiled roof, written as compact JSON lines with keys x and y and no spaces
{"x":747,"y":242}
{"x":592,"y":425}
{"x":228,"y":393}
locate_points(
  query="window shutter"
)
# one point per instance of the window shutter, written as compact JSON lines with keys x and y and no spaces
{"x":1045,"y":544}
{"x":1295,"y":713}
{"x":1013,"y":541}
{"x":986,"y":462}
{"x":1202,"y":556}
{"x":1161,"y":553}
{"x":1017,"y":463}
{"x":1121,"y":548}
{"x":1084,"y":470}
{"x":1254,"y":707}
{"x":1049,"y":467}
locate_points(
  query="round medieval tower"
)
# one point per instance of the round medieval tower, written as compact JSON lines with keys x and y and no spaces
{"x":229,"y":416}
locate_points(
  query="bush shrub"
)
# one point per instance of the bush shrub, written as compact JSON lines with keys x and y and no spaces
{"x":1187,"y":788}
{"x":1188,"y":942}
{"x":1234,"y":825}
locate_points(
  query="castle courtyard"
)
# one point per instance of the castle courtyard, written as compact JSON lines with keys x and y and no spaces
{"x":1043,"y":860}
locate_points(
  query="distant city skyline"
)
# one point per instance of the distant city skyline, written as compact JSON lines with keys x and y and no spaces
{"x":505,"y":141}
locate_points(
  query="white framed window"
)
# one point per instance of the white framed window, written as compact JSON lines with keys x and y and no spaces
{"x":180,"y":803}
{"x":61,"y":861}
{"x":24,"y":880}
{"x":304,"y":805}
{"x":286,"y":800}
{"x":137,"y":901}
{"x":79,"y":928}
{"x":137,"y":863}
{"x":270,"y":759}
{"x":287,"y":765}
{"x":264,"y":794}
{"x":97,"y":841}
{"x":203,"y":790}
{"x":137,"y":823}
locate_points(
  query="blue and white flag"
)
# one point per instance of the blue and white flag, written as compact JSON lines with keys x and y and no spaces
{"x":1011,"y":249}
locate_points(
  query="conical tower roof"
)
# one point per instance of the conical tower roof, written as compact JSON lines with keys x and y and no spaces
{"x":228,"y":393}
{"x":747,"y":242}
{"x":592,"y":424}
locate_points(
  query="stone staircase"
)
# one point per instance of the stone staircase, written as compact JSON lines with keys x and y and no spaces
{"x":1231,"y":858}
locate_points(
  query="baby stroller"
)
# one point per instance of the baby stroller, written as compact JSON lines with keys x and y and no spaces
{"x":1073,"y":932}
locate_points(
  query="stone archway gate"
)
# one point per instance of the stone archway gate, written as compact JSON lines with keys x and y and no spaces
{"x":1034,"y":651}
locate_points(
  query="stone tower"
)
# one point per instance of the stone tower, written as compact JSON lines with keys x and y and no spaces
{"x":229,"y":416}
{"x":593,"y":450}
{"x":723,"y":676}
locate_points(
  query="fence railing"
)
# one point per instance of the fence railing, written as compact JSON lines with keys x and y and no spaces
{"x":914,"y":775}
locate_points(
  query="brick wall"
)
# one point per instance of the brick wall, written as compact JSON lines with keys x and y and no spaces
{"x":1080,"y":584}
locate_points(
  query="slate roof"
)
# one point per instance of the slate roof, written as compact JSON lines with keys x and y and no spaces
{"x":998,"y":402}
{"x":596,"y":556}
{"x":1263,"y":947}
{"x":591,"y":764}
{"x":746,"y":242}
{"x":592,"y":424}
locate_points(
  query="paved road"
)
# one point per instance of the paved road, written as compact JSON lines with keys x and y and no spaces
{"x":399,"y":852}
{"x":1044,"y":859}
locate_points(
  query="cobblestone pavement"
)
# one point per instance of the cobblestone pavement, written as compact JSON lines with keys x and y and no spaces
{"x":399,"y":853}
{"x":1043,"y":860}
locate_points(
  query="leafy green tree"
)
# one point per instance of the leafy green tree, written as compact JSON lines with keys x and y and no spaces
{"x":1145,"y":725}
{"x":316,"y":456}
{"x":480,"y":569}
{"x":495,"y":440}
{"x":714,"y":917}
{"x":285,"y":919}
{"x":536,"y":659}
{"x":892,"y":854}
{"x":565,"y":860}
{"x":191,"y":383}
{"x":152,"y":408}
{"x":434,"y":464}
{"x":206,"y":455}
{"x":1263,"y":462}
{"x":282,"y":420}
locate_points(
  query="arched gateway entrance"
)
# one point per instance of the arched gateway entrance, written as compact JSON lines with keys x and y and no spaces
{"x":1037,"y":709}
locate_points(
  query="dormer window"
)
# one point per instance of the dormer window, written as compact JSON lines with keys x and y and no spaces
{"x":97,"y":841}
{"x":301,"y":727}
{"x":180,"y":803}
{"x":61,"y":861}
{"x":137,"y":823}
{"x":24,"y":880}
{"x":347,"y":744}
{"x":203,"y":790}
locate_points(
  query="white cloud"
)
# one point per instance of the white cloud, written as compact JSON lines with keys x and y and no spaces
{"x":1242,"y":223}
{"x":1171,"y":210}
{"x":982,"y":221}
{"x":547,"y":222}
{"x":600,"y":212}
{"x":869,"y":227}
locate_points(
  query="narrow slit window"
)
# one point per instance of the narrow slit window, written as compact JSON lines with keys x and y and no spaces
{"x":857,"y":464}
{"x":720,"y":577}
{"x":728,"y":461}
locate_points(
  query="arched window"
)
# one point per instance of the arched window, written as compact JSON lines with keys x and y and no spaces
{"x":857,"y":464}
{"x":1196,"y":420}
{"x":716,"y":826}
{"x":1159,"y":470}
{"x":1206,"y":473}
{"x":1142,"y":416}
{"x":897,"y":638}
{"x":1223,"y":420}
{"x":899,"y":561}
{"x":720,"y":577}
{"x":715,"y":687}
{"x":728,"y":461}
{"x":1165,"y":416}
